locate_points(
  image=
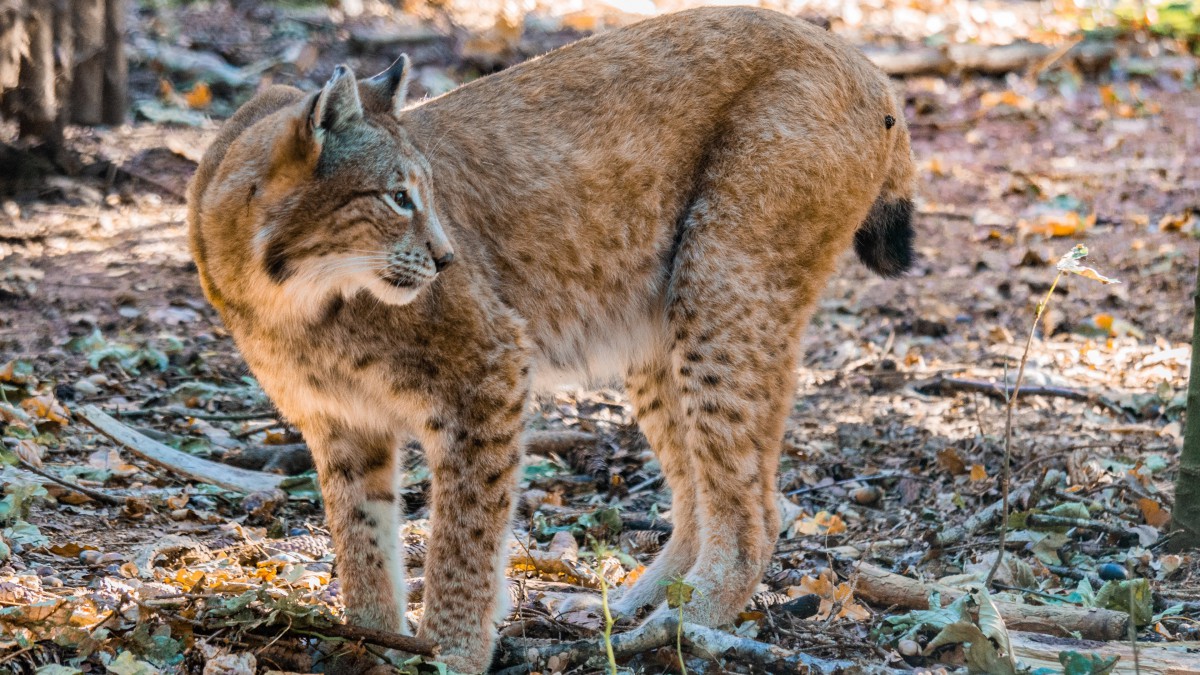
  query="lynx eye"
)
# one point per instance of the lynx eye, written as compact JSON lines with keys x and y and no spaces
{"x":403,"y":199}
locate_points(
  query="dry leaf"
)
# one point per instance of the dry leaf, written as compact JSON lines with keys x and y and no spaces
{"x":199,"y":97}
{"x":1153,"y":512}
{"x":1057,"y":224}
{"x":978,"y":473}
{"x":47,"y":408}
{"x":948,"y":459}
{"x":30,"y":452}
{"x":1070,"y":263}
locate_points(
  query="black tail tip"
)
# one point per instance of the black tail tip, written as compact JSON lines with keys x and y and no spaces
{"x":884,"y":242}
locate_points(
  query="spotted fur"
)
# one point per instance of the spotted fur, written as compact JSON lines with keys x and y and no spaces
{"x":663,"y":202}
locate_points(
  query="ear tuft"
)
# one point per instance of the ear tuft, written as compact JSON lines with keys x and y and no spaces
{"x":387,"y":91}
{"x":338,"y":106}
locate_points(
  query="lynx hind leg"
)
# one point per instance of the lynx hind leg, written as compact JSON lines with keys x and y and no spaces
{"x":655,"y":397}
{"x":357,"y":472}
{"x":734,"y":357}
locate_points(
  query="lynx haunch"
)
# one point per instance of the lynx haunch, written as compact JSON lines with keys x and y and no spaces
{"x":662,"y":203}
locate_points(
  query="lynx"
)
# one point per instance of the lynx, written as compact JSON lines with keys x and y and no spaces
{"x":662,"y":203}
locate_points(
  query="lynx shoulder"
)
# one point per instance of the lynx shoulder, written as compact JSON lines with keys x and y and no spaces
{"x":662,"y":204}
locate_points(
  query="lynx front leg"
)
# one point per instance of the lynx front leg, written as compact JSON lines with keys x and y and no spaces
{"x":474,"y":456}
{"x":358,"y":482}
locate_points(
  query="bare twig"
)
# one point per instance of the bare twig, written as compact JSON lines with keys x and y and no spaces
{"x":93,"y":494}
{"x":1008,"y":418}
{"x":208,"y":417}
{"x":1001,"y":391}
{"x":856,"y":479}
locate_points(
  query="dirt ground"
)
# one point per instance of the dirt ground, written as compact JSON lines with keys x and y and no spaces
{"x":885,"y":449}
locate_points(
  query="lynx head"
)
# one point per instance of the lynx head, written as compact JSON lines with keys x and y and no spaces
{"x":347,"y":205}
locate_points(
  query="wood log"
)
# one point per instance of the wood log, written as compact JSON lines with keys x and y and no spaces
{"x":883,"y":588}
{"x":997,"y":59}
{"x":87,"y":87}
{"x":116,"y":67}
{"x":909,"y":62}
{"x":1172,"y":658}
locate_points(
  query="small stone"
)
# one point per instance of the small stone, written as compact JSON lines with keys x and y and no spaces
{"x":867,"y":495}
{"x":1112,"y":572}
{"x":44,"y":571}
{"x":909,"y":648}
{"x":263,"y":504}
{"x":89,"y":557}
{"x":52,"y":582}
{"x":110,"y":558}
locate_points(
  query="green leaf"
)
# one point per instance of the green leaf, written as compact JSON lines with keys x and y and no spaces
{"x":982,"y":655}
{"x":1115,"y":595}
{"x":25,"y":535}
{"x":679,"y":592}
{"x":19,"y":499}
{"x":1075,"y":663}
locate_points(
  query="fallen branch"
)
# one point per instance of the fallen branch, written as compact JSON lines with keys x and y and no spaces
{"x":881,"y":587}
{"x":1041,"y":651}
{"x":188,"y":466}
{"x":856,"y":479}
{"x":404,"y":643}
{"x":977,"y":521}
{"x":1091,"y":57}
{"x":996,"y":390}
{"x":706,"y":642}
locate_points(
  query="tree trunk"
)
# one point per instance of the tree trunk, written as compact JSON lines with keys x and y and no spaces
{"x":116,"y":69}
{"x":87,"y":94}
{"x":1186,"y":518}
{"x":37,"y":102}
{"x":12,"y":43}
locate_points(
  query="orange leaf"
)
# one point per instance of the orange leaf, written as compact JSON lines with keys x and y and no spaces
{"x":978,"y":473}
{"x":200,"y":96}
{"x":1153,"y":512}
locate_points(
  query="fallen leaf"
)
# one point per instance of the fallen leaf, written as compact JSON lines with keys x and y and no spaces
{"x":1153,"y":512}
{"x":978,"y":473}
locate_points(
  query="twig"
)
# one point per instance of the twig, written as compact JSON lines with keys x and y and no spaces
{"x":1008,"y":418}
{"x":951,"y":385}
{"x":856,"y":479}
{"x":93,"y":494}
{"x":208,"y":417}
{"x":1081,"y":523}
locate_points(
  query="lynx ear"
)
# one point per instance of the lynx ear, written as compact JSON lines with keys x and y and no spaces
{"x":337,"y":107}
{"x":387,"y":91}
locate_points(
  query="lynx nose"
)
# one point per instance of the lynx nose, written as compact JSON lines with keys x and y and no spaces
{"x":443,"y":262}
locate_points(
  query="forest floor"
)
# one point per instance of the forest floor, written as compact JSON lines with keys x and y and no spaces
{"x":892,"y":456}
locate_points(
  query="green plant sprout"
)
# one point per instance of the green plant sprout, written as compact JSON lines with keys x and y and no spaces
{"x":679,"y":593}
{"x":1068,"y":264}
